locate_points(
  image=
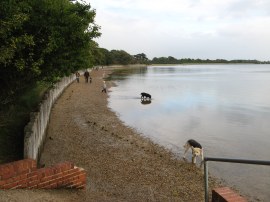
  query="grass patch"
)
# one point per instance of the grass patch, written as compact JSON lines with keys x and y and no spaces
{"x":13,"y":119}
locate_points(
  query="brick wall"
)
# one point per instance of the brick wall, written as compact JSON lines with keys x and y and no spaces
{"x":25,"y":174}
{"x":225,"y":194}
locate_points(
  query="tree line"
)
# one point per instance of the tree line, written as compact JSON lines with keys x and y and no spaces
{"x":47,"y":39}
{"x":43,"y":41}
{"x":172,"y":60}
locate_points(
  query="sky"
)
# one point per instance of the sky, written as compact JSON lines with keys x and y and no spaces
{"x":205,"y":29}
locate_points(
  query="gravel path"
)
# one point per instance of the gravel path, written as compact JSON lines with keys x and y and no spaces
{"x":121,"y":165}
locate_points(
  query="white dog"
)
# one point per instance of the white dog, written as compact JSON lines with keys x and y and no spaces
{"x":196,"y":148}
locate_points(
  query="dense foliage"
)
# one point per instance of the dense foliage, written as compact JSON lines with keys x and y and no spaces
{"x":119,"y":57}
{"x":42,"y":41}
{"x":172,"y":60}
{"x":115,"y":57}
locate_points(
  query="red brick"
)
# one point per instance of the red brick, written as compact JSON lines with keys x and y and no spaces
{"x":24,"y":181}
{"x":10,"y":185}
{"x":31,"y":174}
{"x":16,"y":187}
{"x":58,"y":175}
{"x":6,"y":168}
{"x":2,"y":182}
{"x":15,"y":178}
{"x":44,"y":179}
{"x":41,"y":174}
{"x":54,"y":185}
{"x":64,"y":166}
{"x":20,"y":167}
{"x":65,"y":182}
{"x":73,"y":176}
{"x":53,"y":181}
{"x":222,"y":190}
{"x":32,"y":164}
{"x":234,"y":198}
{"x":10,"y":180}
{"x":27,"y":171}
{"x":24,"y":185}
{"x":14,"y":168}
{"x":82,"y":176}
{"x":71,"y":171}
{"x":60,"y":183}
{"x":75,"y":169}
{"x":7,"y":175}
{"x":43,"y":184}
{"x":225,"y":194}
{"x":32,"y":183}
{"x":76,"y":184}
{"x":49,"y":172}
{"x":23,"y":176}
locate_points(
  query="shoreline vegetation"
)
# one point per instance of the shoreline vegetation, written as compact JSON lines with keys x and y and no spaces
{"x":177,"y":64}
{"x":172,"y":60}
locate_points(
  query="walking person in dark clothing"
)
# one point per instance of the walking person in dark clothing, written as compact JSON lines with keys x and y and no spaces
{"x":86,"y":76}
{"x":77,"y":76}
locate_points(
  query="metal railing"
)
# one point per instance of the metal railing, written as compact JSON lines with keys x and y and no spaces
{"x":243,"y":161}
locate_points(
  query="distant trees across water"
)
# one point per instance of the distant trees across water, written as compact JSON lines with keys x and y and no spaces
{"x":121,"y":57}
{"x":172,"y":60}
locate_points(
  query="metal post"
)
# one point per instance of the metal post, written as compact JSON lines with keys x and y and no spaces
{"x":244,"y":161}
{"x":205,"y":181}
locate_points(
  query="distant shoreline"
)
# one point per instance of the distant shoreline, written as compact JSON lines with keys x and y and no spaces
{"x":209,"y":64}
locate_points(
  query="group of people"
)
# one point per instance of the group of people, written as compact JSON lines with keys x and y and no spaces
{"x":86,"y":75}
{"x":87,"y":78}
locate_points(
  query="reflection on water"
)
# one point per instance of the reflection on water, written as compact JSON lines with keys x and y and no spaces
{"x":145,"y":102}
{"x":224,"y":107}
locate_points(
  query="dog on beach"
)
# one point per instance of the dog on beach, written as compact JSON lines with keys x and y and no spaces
{"x":196,"y":149}
{"x":145,"y":96}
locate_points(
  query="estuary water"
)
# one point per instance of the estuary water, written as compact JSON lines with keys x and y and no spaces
{"x":224,"y":107}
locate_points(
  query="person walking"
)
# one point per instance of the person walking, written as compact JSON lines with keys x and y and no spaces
{"x":86,"y":76}
{"x":77,"y":76}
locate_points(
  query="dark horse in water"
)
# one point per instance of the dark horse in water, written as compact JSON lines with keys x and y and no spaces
{"x":145,"y":96}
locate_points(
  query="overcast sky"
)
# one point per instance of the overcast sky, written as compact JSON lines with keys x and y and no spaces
{"x":206,"y":29}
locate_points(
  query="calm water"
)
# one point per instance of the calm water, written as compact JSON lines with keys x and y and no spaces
{"x":225,"y":107}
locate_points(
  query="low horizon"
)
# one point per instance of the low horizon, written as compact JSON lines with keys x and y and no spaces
{"x":186,"y":28}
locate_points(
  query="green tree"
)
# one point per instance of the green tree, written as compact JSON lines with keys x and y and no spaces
{"x":172,"y":60}
{"x":17,"y":66}
{"x":141,"y":58}
{"x":120,"y":57}
{"x":104,"y":56}
{"x":42,"y":41}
